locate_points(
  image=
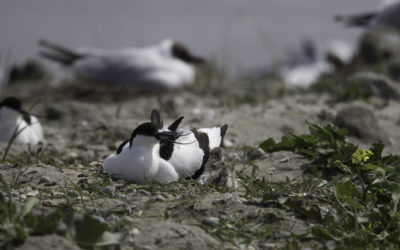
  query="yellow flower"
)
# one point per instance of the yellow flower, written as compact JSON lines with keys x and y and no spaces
{"x":361,"y":156}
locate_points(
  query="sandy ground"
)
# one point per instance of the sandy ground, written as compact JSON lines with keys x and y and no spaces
{"x":82,"y":127}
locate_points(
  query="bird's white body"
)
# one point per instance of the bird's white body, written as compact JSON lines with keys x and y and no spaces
{"x":151,"y":67}
{"x":187,"y":156}
{"x":11,"y":121}
{"x":141,"y":162}
{"x":304,"y":74}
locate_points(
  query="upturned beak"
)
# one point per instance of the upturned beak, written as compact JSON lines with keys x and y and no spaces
{"x":167,"y":135}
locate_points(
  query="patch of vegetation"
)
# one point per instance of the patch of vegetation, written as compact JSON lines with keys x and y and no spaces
{"x":17,"y":222}
{"x":340,"y":89}
{"x":351,"y":195}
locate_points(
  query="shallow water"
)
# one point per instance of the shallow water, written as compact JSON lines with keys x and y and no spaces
{"x":238,"y":34}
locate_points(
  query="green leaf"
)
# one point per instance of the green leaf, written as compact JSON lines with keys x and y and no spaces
{"x":348,"y":193}
{"x":90,"y":232}
{"x":321,"y":233}
{"x":27,"y":208}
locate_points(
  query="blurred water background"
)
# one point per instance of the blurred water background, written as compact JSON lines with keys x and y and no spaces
{"x":239,"y":35}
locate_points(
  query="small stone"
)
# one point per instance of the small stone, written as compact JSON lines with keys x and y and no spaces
{"x":72,"y":155}
{"x":361,"y":123}
{"x":374,"y":84}
{"x":14,"y":193}
{"x":72,"y":193}
{"x":83,"y":181}
{"x":171,"y":206}
{"x":51,"y":183}
{"x":144,"y":192}
{"x":227,"y":143}
{"x":48,"y":203}
{"x":83,"y":175}
{"x":99,"y":218}
{"x":219,"y":201}
{"x":255,"y":153}
{"x":23,"y":196}
{"x":211,"y":221}
{"x":160,"y":197}
{"x":7,"y":165}
{"x":32,"y":193}
{"x":128,"y":219}
{"x":96,"y":164}
{"x":108,"y":190}
{"x":33,"y":172}
{"x":270,"y":245}
{"x":56,"y":194}
{"x":201,"y":209}
{"x":134,"y":231}
{"x":284,"y":160}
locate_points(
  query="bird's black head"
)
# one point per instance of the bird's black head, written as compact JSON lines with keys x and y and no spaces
{"x":149,"y":129}
{"x":146,"y":128}
{"x":181,"y":52}
{"x":12,"y":103}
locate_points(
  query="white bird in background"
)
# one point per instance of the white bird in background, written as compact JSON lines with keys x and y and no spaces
{"x":163,"y":154}
{"x":16,"y":121}
{"x":167,"y":64}
{"x":306,"y":69}
{"x":386,"y":15}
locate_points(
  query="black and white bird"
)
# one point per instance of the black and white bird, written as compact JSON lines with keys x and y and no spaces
{"x":138,"y":159}
{"x":168,"y":64}
{"x":387,"y":15}
{"x":190,"y":151}
{"x":15,"y":121}
{"x":163,"y":154}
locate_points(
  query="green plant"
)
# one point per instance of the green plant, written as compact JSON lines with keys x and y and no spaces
{"x":17,"y":222}
{"x":362,"y":194}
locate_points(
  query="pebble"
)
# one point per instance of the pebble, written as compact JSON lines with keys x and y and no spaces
{"x":108,"y":190}
{"x":72,"y":155}
{"x":51,"y":183}
{"x":14,"y":193}
{"x":219,"y":200}
{"x":32,"y":172}
{"x":147,"y":193}
{"x":255,"y":153}
{"x":284,"y":160}
{"x":171,"y":206}
{"x":160,"y":197}
{"x":56,"y":194}
{"x":32,"y":193}
{"x":201,"y":209}
{"x":7,"y":165}
{"x":211,"y":221}
{"x":228,"y":143}
{"x":72,"y":193}
{"x":134,"y":231}
{"x":47,"y":203}
{"x":96,"y":164}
